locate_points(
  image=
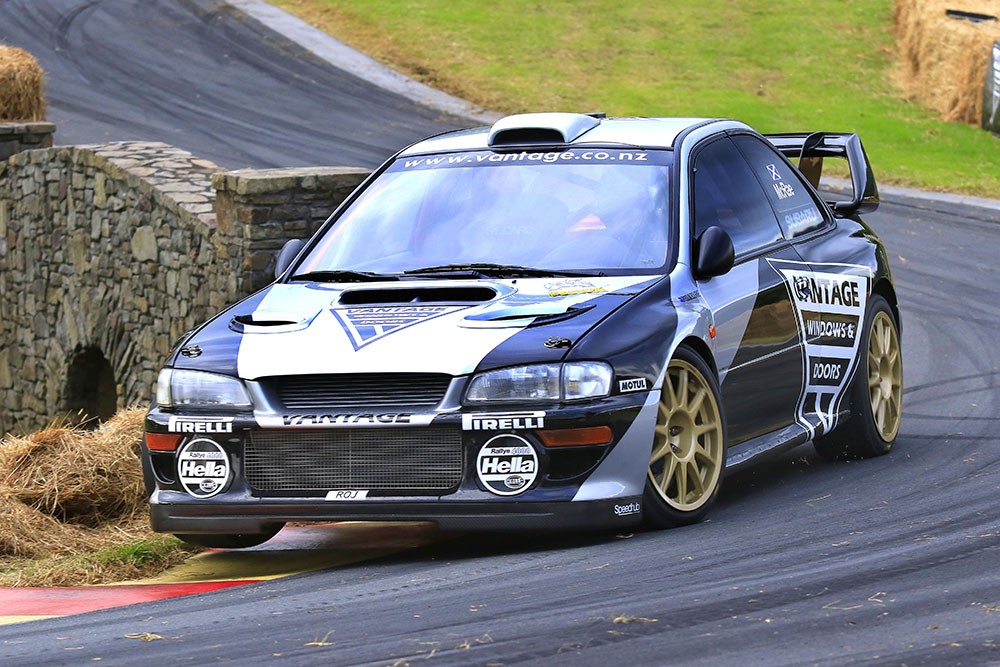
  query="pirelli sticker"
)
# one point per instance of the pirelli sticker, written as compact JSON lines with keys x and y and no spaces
{"x":829,"y":302}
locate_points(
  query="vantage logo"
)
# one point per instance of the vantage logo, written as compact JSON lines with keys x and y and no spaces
{"x":829,"y":301}
{"x":366,"y":325}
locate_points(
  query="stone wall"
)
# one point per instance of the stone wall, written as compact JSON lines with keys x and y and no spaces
{"x":17,"y":137}
{"x":109,"y":253}
{"x":267,"y":207}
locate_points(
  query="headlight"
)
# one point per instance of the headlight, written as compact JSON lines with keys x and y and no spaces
{"x":200,"y":390}
{"x":542,"y":382}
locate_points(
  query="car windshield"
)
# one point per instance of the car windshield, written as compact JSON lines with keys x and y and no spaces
{"x":571,"y":211}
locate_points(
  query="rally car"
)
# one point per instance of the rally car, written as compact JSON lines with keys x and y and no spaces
{"x":560,"y":321}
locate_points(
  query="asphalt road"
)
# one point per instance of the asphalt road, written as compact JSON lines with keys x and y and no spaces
{"x":889,"y":561}
{"x":200,"y":75}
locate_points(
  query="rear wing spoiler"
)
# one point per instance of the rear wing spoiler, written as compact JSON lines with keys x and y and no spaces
{"x":810,"y":149}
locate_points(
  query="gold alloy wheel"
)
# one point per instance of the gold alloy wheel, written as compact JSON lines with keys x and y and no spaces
{"x":687,"y":456}
{"x":885,"y":376}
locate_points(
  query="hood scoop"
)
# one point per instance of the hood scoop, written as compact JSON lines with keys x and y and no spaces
{"x":465,"y":294}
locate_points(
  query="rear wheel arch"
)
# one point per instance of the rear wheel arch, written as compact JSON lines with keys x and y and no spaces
{"x":885,"y":289}
{"x":875,"y":392}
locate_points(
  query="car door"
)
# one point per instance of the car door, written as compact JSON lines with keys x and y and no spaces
{"x":829,"y":297}
{"x":757,"y":346}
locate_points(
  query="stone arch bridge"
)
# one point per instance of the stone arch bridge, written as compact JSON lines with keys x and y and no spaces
{"x":109,"y":253}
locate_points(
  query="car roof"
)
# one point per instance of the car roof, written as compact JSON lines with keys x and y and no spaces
{"x":535,"y":131}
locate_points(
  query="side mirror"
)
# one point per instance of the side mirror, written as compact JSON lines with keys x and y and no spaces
{"x":289,"y":251}
{"x":713,"y":253}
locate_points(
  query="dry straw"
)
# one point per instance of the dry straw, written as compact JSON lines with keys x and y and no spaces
{"x":65,"y":490}
{"x":943,"y":61}
{"x":22,"y":80}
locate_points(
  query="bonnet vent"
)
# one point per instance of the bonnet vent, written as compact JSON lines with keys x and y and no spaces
{"x":540,"y":128}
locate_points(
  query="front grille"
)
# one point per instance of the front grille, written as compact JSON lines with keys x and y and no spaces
{"x":358,"y":390}
{"x":390,"y":459}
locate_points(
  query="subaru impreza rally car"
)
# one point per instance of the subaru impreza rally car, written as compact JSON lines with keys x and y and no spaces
{"x":560,"y":321}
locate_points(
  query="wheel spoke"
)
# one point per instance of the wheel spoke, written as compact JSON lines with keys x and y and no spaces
{"x":680,"y":475}
{"x":669,"y":472}
{"x":874,"y":379}
{"x":696,"y":481}
{"x":660,"y":453}
{"x":702,"y":429}
{"x":880,"y":416}
{"x":672,"y":399}
{"x":697,"y":400}
{"x":682,"y":388}
{"x":883,"y":338}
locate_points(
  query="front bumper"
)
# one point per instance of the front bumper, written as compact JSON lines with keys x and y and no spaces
{"x":448,"y":515}
{"x":575,"y":487}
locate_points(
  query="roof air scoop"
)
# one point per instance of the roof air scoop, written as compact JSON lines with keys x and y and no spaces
{"x":540,"y":128}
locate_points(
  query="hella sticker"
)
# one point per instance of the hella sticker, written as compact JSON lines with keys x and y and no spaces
{"x":507,"y":465}
{"x":203,"y":468}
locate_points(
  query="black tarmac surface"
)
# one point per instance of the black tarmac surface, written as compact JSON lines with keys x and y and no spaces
{"x":200,"y":75}
{"x":890,"y":561}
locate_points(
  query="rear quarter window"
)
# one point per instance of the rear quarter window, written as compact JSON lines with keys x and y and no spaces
{"x":791,"y":198}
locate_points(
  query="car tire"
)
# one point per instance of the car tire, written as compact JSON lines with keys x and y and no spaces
{"x":230,"y":540}
{"x":688,"y":456}
{"x":876,"y":393}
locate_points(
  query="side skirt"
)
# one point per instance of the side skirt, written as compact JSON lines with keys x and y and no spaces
{"x":790,"y":436}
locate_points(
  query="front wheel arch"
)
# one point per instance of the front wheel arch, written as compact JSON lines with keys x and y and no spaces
{"x":688,"y":452}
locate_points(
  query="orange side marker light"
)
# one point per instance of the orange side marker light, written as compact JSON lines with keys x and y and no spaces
{"x":163,"y":442}
{"x":575,"y":437}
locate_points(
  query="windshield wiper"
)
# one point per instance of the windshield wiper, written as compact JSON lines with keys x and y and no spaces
{"x":343,"y":276}
{"x":485,"y":269}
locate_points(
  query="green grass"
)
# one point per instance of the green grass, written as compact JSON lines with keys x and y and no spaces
{"x":780,"y":66}
{"x":132,"y":559}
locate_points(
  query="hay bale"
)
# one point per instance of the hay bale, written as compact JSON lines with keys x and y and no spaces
{"x":943,"y":61}
{"x":75,"y":476}
{"x":28,"y":533}
{"x":22,"y":80}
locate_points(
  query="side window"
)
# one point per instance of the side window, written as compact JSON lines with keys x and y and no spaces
{"x":727,"y":194}
{"x":798,"y":212}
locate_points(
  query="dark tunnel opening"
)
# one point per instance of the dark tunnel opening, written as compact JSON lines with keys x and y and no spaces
{"x":91,"y":393}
